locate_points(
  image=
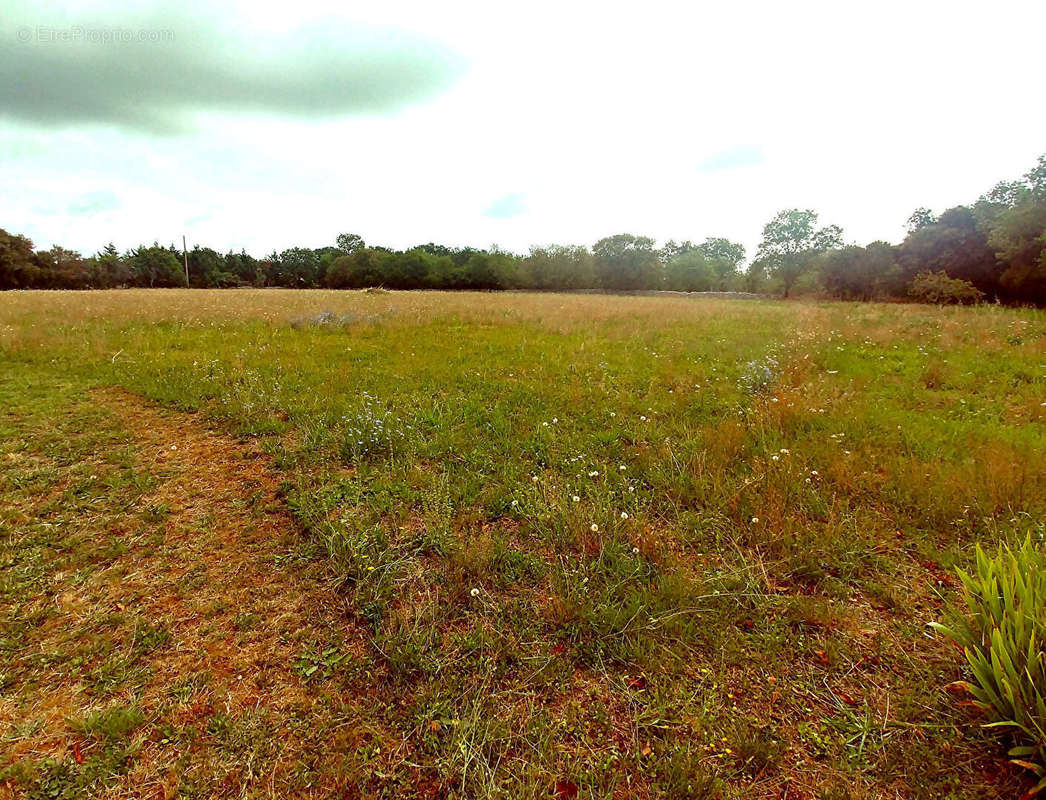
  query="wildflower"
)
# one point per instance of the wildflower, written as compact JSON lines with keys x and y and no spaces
{"x":613,"y":413}
{"x":544,"y":424}
{"x":755,"y":520}
{"x":174,"y":447}
{"x":624,"y":515}
{"x":635,"y":551}
{"x":555,"y":420}
{"x":575,"y":498}
{"x":775,"y":457}
{"x":785,"y":450}
{"x":593,"y":527}
{"x":474,"y":592}
{"x":631,"y":488}
{"x":515,"y":503}
{"x":814,"y":472}
{"x":534,"y":478}
{"x":622,"y":468}
{"x":593,"y":473}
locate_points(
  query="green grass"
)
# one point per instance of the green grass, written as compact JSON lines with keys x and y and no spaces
{"x":646,"y":546}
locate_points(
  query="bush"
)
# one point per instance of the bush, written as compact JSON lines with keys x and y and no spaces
{"x":938,"y":288}
{"x":1001,"y":631}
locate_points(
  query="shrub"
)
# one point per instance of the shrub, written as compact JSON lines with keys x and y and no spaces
{"x":938,"y":288}
{"x":1001,"y":631}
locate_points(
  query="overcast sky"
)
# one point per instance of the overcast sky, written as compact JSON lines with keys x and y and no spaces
{"x":265,"y":126}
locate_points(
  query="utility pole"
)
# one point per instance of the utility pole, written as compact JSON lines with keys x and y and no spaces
{"x":185,"y":258}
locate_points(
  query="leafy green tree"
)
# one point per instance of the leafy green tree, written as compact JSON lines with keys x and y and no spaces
{"x":414,"y":269}
{"x":299,"y":267}
{"x":362,"y":269}
{"x":670,"y":249}
{"x":861,"y":273}
{"x":484,"y":271}
{"x":689,"y":271}
{"x":791,"y":240}
{"x":156,"y":267}
{"x":558,"y":267}
{"x":1018,"y":238}
{"x":626,"y":262}
{"x":245,"y":267}
{"x":920,"y":218}
{"x":955,"y":244}
{"x":107,"y":269}
{"x":725,"y":258}
{"x":64,"y":269}
{"x":18,"y":266}
{"x":207,"y":268}
{"x":349,"y":243}
{"x":716,"y":248}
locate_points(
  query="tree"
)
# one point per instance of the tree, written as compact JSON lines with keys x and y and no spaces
{"x":672,"y":248}
{"x":955,"y":244}
{"x":18,"y":266}
{"x":725,"y":258}
{"x":485,"y":271}
{"x":350,"y":243}
{"x":362,"y":269}
{"x":1018,"y":238}
{"x":156,"y":266}
{"x":246,"y":268}
{"x":791,"y":240}
{"x":625,"y":261}
{"x":717,"y":248}
{"x":63,"y":269}
{"x":920,"y":218}
{"x":410,"y":270}
{"x":559,"y":267}
{"x":107,"y":269}
{"x":860,"y":273}
{"x":689,"y":271}
{"x":299,"y":267}
{"x":207,"y":268}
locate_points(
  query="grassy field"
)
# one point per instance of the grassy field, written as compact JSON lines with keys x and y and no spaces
{"x":504,"y":545}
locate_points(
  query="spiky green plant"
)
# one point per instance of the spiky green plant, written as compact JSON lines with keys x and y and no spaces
{"x":1001,"y":629}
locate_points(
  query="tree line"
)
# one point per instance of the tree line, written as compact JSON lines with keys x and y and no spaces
{"x":994,"y":248}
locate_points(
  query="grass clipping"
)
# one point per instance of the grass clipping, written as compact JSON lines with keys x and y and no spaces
{"x":1001,"y":631}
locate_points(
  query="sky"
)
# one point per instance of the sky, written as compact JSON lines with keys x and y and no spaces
{"x":263,"y":125}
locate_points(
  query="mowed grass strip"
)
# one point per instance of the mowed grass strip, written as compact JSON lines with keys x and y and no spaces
{"x":644,"y":547}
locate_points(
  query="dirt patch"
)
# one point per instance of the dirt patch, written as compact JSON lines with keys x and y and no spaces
{"x":224,"y":629}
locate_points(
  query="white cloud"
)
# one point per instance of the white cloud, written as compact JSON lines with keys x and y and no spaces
{"x":599,"y":115}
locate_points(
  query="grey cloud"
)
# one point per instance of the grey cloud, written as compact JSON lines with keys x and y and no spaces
{"x":158,"y":86}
